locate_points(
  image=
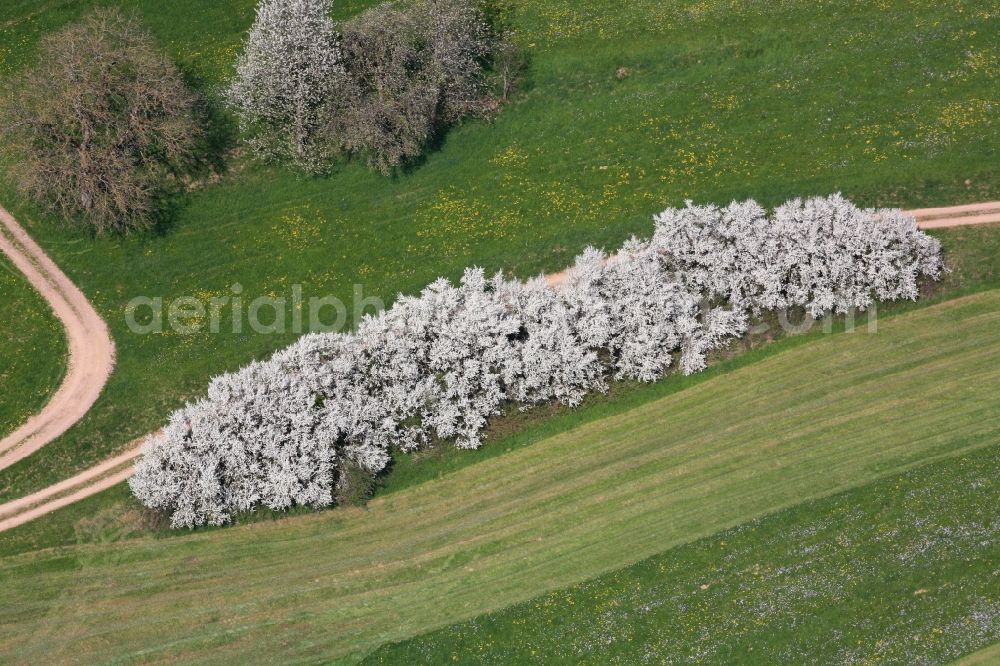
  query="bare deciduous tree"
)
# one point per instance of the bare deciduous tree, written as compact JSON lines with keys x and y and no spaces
{"x":102,"y":125}
{"x":509,"y":64}
{"x":414,"y":69}
{"x":393,"y":98}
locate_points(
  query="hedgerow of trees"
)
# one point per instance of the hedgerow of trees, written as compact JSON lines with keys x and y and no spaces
{"x":102,"y":126}
{"x":382,"y":86}
{"x":296,"y":428}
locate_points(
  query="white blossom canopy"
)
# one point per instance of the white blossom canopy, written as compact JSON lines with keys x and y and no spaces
{"x":277,"y":433}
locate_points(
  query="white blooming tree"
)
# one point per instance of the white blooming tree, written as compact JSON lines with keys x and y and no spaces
{"x":548,"y":358}
{"x":287,"y":82}
{"x":823,"y":254}
{"x":437,"y":366}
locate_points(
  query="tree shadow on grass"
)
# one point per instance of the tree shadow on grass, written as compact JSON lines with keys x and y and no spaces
{"x":501,"y":99}
{"x":209,"y":161}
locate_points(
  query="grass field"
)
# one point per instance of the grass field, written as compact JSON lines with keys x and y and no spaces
{"x":33,"y":353}
{"x":836,"y":413}
{"x":890,"y":102}
{"x":899,"y":571}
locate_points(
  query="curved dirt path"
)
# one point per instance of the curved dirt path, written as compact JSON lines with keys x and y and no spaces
{"x":109,"y":473}
{"x":119,"y":468}
{"x":91,"y":349}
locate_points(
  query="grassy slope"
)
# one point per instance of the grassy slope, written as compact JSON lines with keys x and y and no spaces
{"x":821,"y":417}
{"x":900,"y":571}
{"x":33,"y":353}
{"x":886,"y":101}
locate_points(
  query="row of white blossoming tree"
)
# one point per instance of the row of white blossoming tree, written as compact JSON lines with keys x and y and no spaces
{"x":288,"y":430}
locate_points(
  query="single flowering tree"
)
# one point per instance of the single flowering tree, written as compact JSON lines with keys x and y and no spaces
{"x":287,"y":83}
{"x":549,"y":357}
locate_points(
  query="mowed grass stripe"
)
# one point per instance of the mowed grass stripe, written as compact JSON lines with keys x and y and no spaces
{"x":985,"y":657}
{"x":808,"y":422}
{"x":899,"y":571}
